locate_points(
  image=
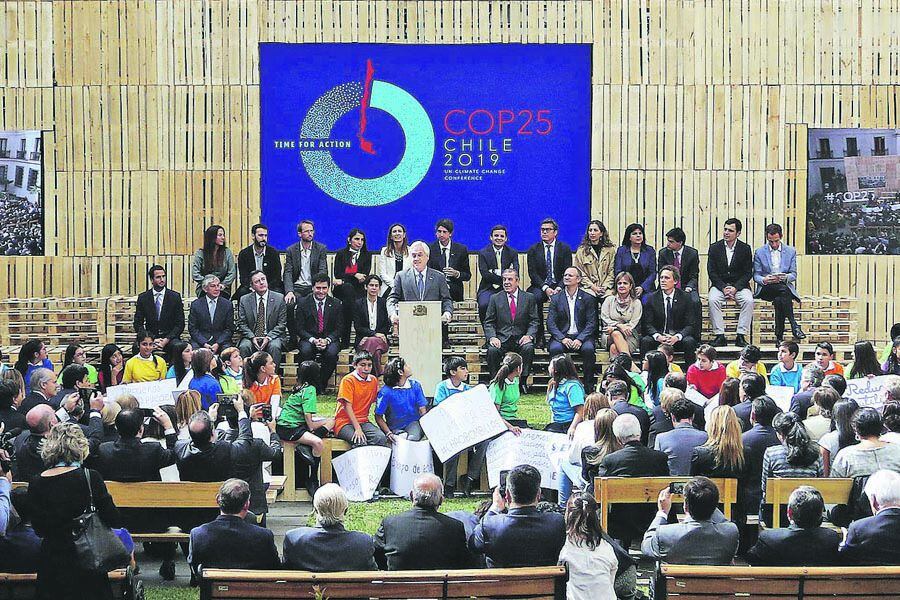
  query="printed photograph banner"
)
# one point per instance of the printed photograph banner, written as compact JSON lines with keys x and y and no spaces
{"x":367,"y":135}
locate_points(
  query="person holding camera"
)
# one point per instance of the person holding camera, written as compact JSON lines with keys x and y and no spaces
{"x":205,"y":457}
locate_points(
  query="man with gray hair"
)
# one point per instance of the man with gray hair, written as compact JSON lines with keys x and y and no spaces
{"x":511,"y":325}
{"x":211,"y":318}
{"x":873,"y":540}
{"x":810,"y":380}
{"x":629,"y":521}
{"x":892,"y":389}
{"x":230,"y":542}
{"x":328,"y":546}
{"x":422,"y":538}
{"x":41,"y":387}
{"x":419,"y":283}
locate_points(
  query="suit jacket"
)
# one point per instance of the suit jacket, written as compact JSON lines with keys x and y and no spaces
{"x":361,"y":318}
{"x":537,"y":263}
{"x":498,"y":321}
{"x":487,"y":263}
{"x":131,"y":460}
{"x":873,"y":540}
{"x":750,"y":486}
{"x":217,"y":331}
{"x":276,"y":316}
{"x":229,"y":542}
{"x":801,"y":402}
{"x":12,"y":419}
{"x":585,"y":316}
{"x":742,"y":411}
{"x":459,"y":260}
{"x":678,"y":445}
{"x":629,"y":521}
{"x":523,"y":537}
{"x":210,"y":463}
{"x":331,"y":548}
{"x":623,"y":408}
{"x":712,"y":542}
{"x":421,"y":539}
{"x":405,"y":288}
{"x":271,"y":267}
{"x":660,"y":423}
{"x":30,"y":401}
{"x":307,"y":318}
{"x":292,"y":263}
{"x":171,"y":317}
{"x":247,"y":457}
{"x":762,"y":266}
{"x":737,"y":274}
{"x":795,"y":547}
{"x":683,"y":314}
{"x":690,"y":265}
{"x":342,"y":261}
{"x":20,"y":550}
{"x":28,"y":461}
{"x":644,"y":273}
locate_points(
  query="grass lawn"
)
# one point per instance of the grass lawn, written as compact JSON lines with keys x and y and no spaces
{"x":366,"y":516}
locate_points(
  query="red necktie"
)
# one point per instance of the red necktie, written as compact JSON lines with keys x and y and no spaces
{"x":512,"y":306}
{"x":321,"y":319}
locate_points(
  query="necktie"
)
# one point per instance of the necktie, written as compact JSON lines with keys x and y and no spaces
{"x":512,"y":306}
{"x":321,"y":317}
{"x":212,"y":310}
{"x":446,"y":258}
{"x":159,"y":298}
{"x":549,"y":279}
{"x":668,"y":326}
{"x":678,"y":266}
{"x":260,"y":330}
{"x":499,"y":259}
{"x":420,"y":285}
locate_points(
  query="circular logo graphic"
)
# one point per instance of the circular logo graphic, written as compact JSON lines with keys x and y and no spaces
{"x":393,"y":185}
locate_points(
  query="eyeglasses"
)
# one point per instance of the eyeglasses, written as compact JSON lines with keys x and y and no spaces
{"x":548,"y":229}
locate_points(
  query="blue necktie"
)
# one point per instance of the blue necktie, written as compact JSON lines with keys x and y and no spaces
{"x":549,"y":278}
{"x":421,"y":286}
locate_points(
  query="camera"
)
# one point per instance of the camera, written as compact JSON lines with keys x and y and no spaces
{"x":6,"y":443}
{"x":226,"y":405}
{"x":676,"y":488}
{"x":152,"y":427}
{"x":267,"y":412}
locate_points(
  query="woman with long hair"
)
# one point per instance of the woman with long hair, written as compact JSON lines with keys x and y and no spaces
{"x":394,"y":257}
{"x":818,"y":425}
{"x":260,"y":377}
{"x":187,"y":403}
{"x":605,"y":442}
{"x":565,"y":395}
{"x":214,"y":258}
{"x":569,"y":471}
{"x":112,"y":367}
{"x":32,"y":355}
{"x":723,"y":453}
{"x":656,"y":368}
{"x":504,"y":391}
{"x":796,"y":456}
{"x":202,"y":364}
{"x":144,"y":366}
{"x":594,"y":257}
{"x":635,"y":256}
{"x":590,"y":559}
{"x":841,"y":434}
{"x":180,"y":354}
{"x":351,"y":266}
{"x":891,"y":366}
{"x":865,"y":361}
{"x":620,"y":317}
{"x":75,"y":355}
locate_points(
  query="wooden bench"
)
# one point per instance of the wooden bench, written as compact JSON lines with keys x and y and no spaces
{"x":778,"y":491}
{"x":645,"y":490}
{"x":164,"y":494}
{"x":544,"y":583}
{"x":691,"y":582}
{"x":290,"y":493}
{"x":23,"y":586}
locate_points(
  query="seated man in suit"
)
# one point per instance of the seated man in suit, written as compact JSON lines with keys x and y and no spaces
{"x":320,"y":319}
{"x":302,"y":261}
{"x":730,"y":267}
{"x":43,"y":387}
{"x":684,"y":258}
{"x":211,"y":319}
{"x":873,"y":540}
{"x":805,"y":543}
{"x":572,"y":323}
{"x":262,"y":319}
{"x":372,"y":323}
{"x":628,"y":521}
{"x":422,"y":538}
{"x":259,"y":256}
{"x":679,"y":443}
{"x":450,"y":258}
{"x":511,"y":325}
{"x":328,"y":546}
{"x":423,"y":284}
{"x":493,"y":259}
{"x":752,"y":386}
{"x":521,"y":536}
{"x":158,"y":312}
{"x":705,"y":537}
{"x":230,"y":542}
{"x":775,"y":274}
{"x":669,"y":317}
{"x":760,"y":436}
{"x":547,"y":261}
{"x":618,"y":393}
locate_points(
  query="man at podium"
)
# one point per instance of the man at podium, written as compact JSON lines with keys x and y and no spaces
{"x":419,"y":283}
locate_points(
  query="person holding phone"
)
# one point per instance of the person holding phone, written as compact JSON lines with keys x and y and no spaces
{"x":775,"y":274}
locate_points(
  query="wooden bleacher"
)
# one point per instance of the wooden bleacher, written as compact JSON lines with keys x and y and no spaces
{"x":539,"y":583}
{"x":778,"y":491}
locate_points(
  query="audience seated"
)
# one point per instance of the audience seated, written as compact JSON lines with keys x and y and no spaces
{"x":620,"y":317}
{"x":130,"y":460}
{"x":450,"y":258}
{"x":873,"y":540}
{"x":514,"y":533}
{"x":787,"y":372}
{"x":493,"y":260}
{"x":144,"y":365}
{"x":158,"y":312}
{"x":824,"y":399}
{"x":669,"y":316}
{"x":422,"y":538}
{"x":356,"y":394}
{"x":805,"y":543}
{"x":10,"y":417}
{"x":756,"y":440}
{"x":686,"y":260}
{"x":211,"y":318}
{"x":400,"y":403}
{"x":547,"y":261}
{"x":730,"y":268}
{"x":74,"y":378}
{"x":775,"y":274}
{"x":372,"y":323}
{"x":722,"y":455}
{"x":319,"y":322}
{"x":303,"y":260}
{"x":20,"y":547}
{"x":679,"y":443}
{"x":565,"y":395}
{"x":214,"y":258}
{"x":706,"y":374}
{"x":795,"y":456}
{"x":752,"y":386}
{"x":262,"y":319}
{"x":572,"y":324}
{"x":583,"y":435}
{"x":42,"y":387}
{"x":605,"y":442}
{"x":590,"y":559}
{"x":870,"y":454}
{"x":230,"y":542}
{"x":617,"y":392}
{"x":32,"y":355}
{"x":825,"y":359}
{"x":511,"y":325}
{"x":456,"y":371}
{"x":204,"y":457}
{"x":258,"y":256}
{"x":748,"y":362}
{"x":811,"y":378}
{"x":328,"y":547}
{"x":40,"y":420}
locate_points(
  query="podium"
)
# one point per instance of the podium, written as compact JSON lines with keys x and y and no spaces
{"x":420,"y":342}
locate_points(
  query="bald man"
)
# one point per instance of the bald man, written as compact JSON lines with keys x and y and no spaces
{"x":422,"y":538}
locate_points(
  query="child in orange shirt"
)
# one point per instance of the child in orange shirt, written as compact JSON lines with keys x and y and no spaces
{"x":356,"y":395}
{"x":260,"y":377}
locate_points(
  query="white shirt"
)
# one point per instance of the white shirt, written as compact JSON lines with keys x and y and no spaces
{"x":571,"y":300}
{"x":305,"y":277}
{"x":441,"y":252}
{"x":776,"y":259}
{"x":729,"y":251}
{"x":372,"y":309}
{"x":592,"y":573}
{"x":666,"y":299}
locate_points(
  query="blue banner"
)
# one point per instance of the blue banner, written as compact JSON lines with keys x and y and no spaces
{"x":366,"y":135}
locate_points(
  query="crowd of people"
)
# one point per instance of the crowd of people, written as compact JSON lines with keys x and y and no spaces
{"x":21,"y":227}
{"x":837,"y":227}
{"x":645,"y":415}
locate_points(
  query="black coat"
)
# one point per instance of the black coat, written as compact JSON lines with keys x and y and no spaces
{"x":487,"y":262}
{"x":12,"y":419}
{"x":623,"y":408}
{"x":742,"y":411}
{"x":229,"y":542}
{"x":247,"y":457}
{"x":523,"y":537}
{"x":171,"y":318}
{"x":459,"y":260}
{"x":20,"y":550}
{"x":795,"y":547}
{"x":271,"y":267}
{"x":332,"y":548}
{"x":421,"y":539}
{"x":203,"y":331}
{"x":684,"y":320}
{"x":703,"y":462}
{"x":129,"y":459}
{"x":690,"y":265}
{"x":750,"y":486}
{"x":307,"y":319}
{"x":873,"y":540}
{"x":721,"y":274}
{"x":361,"y":318}
{"x":342,"y":261}
{"x":537,"y":263}
{"x":213,"y":462}
{"x":585,"y":316}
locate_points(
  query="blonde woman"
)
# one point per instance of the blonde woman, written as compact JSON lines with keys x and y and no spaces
{"x":188,"y":403}
{"x":605,"y":442}
{"x":723,"y":453}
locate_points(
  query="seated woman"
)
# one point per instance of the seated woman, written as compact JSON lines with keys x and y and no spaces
{"x":891,"y":365}
{"x":594,"y":257}
{"x":824,"y":399}
{"x":565,"y":396}
{"x":723,"y":453}
{"x":188,"y":403}
{"x":620,"y":317}
{"x":841,"y":435}
{"x":180,"y":354}
{"x":144,"y":366}
{"x":351,"y":266}
{"x":400,"y":402}
{"x":656,"y":367}
{"x":706,"y":375}
{"x":260,"y":378}
{"x":394,"y":257}
{"x":796,"y":456}
{"x":202,"y":363}
{"x":592,"y":563}
{"x":214,"y":258}
{"x":825,"y":359}
{"x":112,"y":367}
{"x":636,"y":257}
{"x":865,"y":362}
{"x":75,"y":355}
{"x":605,"y":442}
{"x":871,"y":453}
{"x":569,"y":471}
{"x":372,"y":323}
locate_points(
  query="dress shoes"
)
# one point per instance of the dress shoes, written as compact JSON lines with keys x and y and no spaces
{"x":719,"y":341}
{"x":741,"y":341}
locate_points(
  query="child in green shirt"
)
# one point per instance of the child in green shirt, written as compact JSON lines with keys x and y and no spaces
{"x":504,"y":390}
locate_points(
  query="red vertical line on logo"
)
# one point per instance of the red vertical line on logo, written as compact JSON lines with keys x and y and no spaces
{"x":364,"y":144}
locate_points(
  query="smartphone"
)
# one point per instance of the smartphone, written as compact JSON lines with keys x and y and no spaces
{"x":267,"y":412}
{"x":676,"y":488}
{"x":503,"y":476}
{"x":84,"y":394}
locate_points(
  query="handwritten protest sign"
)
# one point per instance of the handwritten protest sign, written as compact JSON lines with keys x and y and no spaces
{"x":150,"y":394}
{"x":461,"y":421}
{"x":359,"y":470}
{"x":866,"y":391}
{"x":408,"y":461}
{"x":541,"y":449}
{"x":781,"y":394}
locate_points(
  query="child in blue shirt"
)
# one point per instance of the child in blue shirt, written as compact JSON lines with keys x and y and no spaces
{"x":787,"y":372}
{"x":402,"y":401}
{"x":565,"y":395}
{"x":457,"y":372}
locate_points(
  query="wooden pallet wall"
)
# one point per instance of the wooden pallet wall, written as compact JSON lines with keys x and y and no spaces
{"x":700,"y":109}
